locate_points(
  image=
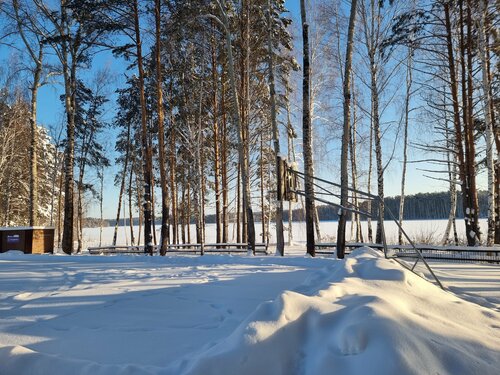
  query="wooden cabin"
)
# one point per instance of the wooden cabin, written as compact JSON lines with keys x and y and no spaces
{"x":29,"y":240}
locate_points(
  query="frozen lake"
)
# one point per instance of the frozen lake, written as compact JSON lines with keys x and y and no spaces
{"x":418,"y":230}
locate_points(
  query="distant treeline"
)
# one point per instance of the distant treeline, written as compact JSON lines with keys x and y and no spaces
{"x":422,"y":206}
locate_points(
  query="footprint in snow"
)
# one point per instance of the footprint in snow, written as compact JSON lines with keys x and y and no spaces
{"x":352,"y":340}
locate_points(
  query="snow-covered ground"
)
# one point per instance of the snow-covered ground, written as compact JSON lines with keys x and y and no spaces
{"x":244,"y":315}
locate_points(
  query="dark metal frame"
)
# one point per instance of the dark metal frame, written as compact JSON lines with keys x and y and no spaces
{"x":354,"y":209}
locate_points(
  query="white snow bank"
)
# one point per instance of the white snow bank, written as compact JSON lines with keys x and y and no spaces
{"x":372,"y":318}
{"x":363,"y":315}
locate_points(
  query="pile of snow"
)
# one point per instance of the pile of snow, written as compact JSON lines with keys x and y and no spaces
{"x":362,"y":315}
{"x":367,"y":317}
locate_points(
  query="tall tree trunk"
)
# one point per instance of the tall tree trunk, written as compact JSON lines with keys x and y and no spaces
{"x":290,"y":151}
{"x":204,"y":184}
{"x":474,"y":214}
{"x":153,"y":198}
{"x":69,"y":74}
{"x":200,"y":165}
{"x":130,"y":209}
{"x":378,"y":148}
{"x":79,"y":218}
{"x":354,"y":168}
{"x":197,"y":215}
{"x":224,"y":156}
{"x":263,"y":213}
{"x":37,"y":73}
{"x":118,"y":209}
{"x":216,"y":142}
{"x":464,"y":181}
{"x":247,"y":203}
{"x":490,"y":162}
{"x":494,"y":124}
{"x":452,"y":176}
{"x":173,"y":185}
{"x":369,"y":183}
{"x":33,"y":209}
{"x":453,"y":202}
{"x":86,"y":142}
{"x":60,"y":209}
{"x":280,"y":241}
{"x":344,"y":178}
{"x":307,"y":133}
{"x":55,"y":177}
{"x":188,"y":212}
{"x":238,"y":206}
{"x":122,"y":186}
{"x":183,"y":210}
{"x":140,"y":192}
{"x":409,"y":81}
{"x":101,"y":198}
{"x":161,"y":133}
{"x":246,"y":123}
{"x":146,"y":147}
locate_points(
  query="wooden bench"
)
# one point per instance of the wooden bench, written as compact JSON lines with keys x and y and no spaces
{"x":106,"y":250}
{"x":194,"y":248}
{"x":215,"y":248}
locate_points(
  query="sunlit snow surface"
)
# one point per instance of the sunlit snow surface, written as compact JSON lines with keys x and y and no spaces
{"x":244,"y":315}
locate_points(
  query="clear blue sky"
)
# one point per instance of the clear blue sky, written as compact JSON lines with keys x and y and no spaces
{"x":51,"y":114}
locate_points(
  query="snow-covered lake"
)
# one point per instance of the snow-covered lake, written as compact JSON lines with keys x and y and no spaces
{"x":429,"y":230}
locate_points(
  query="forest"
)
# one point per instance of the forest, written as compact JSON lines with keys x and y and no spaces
{"x":215,"y":92}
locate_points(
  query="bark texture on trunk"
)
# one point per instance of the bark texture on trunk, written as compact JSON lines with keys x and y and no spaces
{"x":463,"y":161}
{"x":280,"y":241}
{"x":161,"y":133}
{"x":354,"y":168}
{"x":307,"y":133}
{"x":146,"y":147}
{"x":486,"y":85}
{"x":37,"y":74}
{"x":409,"y":81}
{"x":33,"y":209}
{"x":344,"y":177}
{"x":247,"y":202}
{"x":216,"y":148}
{"x":69,"y":73}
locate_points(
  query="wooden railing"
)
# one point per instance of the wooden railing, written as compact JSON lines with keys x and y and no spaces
{"x":190,"y":248}
{"x":453,"y":253}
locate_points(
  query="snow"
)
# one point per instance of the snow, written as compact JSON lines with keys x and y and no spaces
{"x":246,"y":315}
{"x":418,"y":230}
{"x":479,"y":283}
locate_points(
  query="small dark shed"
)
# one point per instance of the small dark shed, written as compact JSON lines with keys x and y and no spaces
{"x":30,"y":240}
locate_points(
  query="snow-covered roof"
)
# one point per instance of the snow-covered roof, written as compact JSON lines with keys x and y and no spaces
{"x":24,"y":228}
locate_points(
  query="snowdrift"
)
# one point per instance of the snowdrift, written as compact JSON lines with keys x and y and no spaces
{"x":362,"y":315}
{"x":369,"y":317}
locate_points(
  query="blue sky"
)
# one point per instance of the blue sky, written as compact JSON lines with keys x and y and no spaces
{"x":51,"y":114}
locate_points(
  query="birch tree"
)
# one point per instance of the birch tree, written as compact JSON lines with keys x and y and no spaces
{"x":280,"y":246}
{"x":344,"y":195}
